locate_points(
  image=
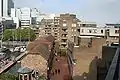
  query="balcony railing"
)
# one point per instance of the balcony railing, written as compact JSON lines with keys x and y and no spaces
{"x":114,"y":71}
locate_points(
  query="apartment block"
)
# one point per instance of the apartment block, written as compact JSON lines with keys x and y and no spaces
{"x":47,"y":24}
{"x":56,"y":27}
{"x":68,"y":29}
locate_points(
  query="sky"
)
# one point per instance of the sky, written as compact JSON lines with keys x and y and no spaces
{"x":100,"y":11}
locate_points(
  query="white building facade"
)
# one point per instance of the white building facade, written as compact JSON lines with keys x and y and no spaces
{"x":5,"y":7}
{"x":91,"y":31}
{"x":27,"y":16}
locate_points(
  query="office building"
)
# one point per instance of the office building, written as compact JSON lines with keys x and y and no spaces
{"x":26,"y":16}
{"x":5,"y":7}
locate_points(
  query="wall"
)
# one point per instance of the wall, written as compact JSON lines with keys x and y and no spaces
{"x":89,"y":31}
{"x":112,"y":32}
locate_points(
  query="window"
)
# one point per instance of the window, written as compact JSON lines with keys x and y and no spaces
{"x":72,"y":29}
{"x":82,"y":30}
{"x":56,"y":59}
{"x":95,"y":31}
{"x":89,"y":31}
{"x":101,"y":31}
{"x":55,"y":33}
{"x":73,"y":25}
{"x":64,"y":24}
{"x":29,"y":77}
{"x":55,"y":71}
{"x":84,"y":25}
{"x":64,"y":20}
{"x":25,"y":77}
{"x":116,"y":31}
{"x":21,"y":77}
{"x":58,"y":71}
{"x":78,"y":30}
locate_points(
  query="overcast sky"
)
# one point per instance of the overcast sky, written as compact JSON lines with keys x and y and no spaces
{"x":100,"y":11}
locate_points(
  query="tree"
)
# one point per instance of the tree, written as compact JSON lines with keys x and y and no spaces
{"x":42,"y":77}
{"x":19,"y":34}
{"x":7,"y":76}
{"x":7,"y":34}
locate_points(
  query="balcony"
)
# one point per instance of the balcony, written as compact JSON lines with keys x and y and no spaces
{"x":62,"y":47}
{"x":64,"y":37}
{"x":64,"y":32}
{"x":64,"y":27}
{"x":64,"y":43}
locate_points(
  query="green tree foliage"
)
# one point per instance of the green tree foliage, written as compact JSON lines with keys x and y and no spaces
{"x":7,"y":34}
{"x":19,"y":34}
{"x":7,"y":76}
{"x":42,"y":77}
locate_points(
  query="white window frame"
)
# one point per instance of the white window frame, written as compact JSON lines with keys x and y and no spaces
{"x":73,"y":25}
{"x":64,"y":24}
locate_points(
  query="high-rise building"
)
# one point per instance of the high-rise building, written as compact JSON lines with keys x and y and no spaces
{"x":68,"y":29}
{"x":62,"y":27}
{"x":27,"y":16}
{"x":5,"y":7}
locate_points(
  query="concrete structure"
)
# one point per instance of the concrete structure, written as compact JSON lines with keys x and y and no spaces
{"x":87,"y":24}
{"x":68,"y":29}
{"x":111,"y":25}
{"x":56,"y":27}
{"x":34,"y":12}
{"x":113,"y":32}
{"x":26,"y":16}
{"x":48,"y":26}
{"x":91,"y":31}
{"x":10,"y":23}
{"x":5,"y":7}
{"x":51,"y":26}
{"x":107,"y":66}
{"x":67,"y":26}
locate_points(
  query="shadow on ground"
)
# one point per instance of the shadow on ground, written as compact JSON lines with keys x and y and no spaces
{"x":92,"y":75}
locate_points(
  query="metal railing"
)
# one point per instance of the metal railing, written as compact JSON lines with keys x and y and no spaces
{"x":114,"y":71}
